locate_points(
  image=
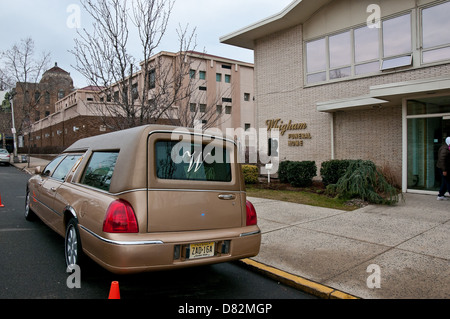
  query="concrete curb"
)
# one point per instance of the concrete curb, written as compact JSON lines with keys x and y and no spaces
{"x":297,"y":282}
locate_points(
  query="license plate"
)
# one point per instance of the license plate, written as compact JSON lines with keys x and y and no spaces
{"x":201,"y":250}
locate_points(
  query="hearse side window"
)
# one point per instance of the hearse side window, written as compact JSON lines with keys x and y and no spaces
{"x":100,"y":169}
{"x":64,"y":168}
{"x":186,"y":161}
{"x":51,"y":166}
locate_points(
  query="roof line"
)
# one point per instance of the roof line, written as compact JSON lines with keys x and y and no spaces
{"x":262,"y":22}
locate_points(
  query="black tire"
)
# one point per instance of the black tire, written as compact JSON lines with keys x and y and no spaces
{"x":29,"y":214}
{"x":72,"y":244}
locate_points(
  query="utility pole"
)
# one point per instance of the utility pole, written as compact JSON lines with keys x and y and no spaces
{"x":13,"y":129}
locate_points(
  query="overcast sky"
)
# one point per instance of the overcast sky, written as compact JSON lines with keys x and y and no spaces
{"x":49,"y":24}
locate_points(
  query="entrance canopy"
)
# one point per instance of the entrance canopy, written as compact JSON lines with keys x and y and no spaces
{"x":426,"y":123}
{"x":388,"y":95}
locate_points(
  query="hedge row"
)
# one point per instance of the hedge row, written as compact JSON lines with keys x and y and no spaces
{"x":298,"y":174}
{"x":343,"y":178}
{"x":301,"y":173}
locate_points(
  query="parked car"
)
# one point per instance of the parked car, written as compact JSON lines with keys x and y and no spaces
{"x":146,"y":199}
{"x":5,"y":157}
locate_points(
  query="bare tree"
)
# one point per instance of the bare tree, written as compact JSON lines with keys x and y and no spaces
{"x":137,"y":88}
{"x":22,"y":70}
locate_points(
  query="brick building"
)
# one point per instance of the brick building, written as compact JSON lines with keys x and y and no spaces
{"x":35,"y":101}
{"x":368,"y":79}
{"x":222,"y":85}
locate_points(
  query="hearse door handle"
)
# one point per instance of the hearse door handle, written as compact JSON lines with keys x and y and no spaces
{"x":227,"y":196}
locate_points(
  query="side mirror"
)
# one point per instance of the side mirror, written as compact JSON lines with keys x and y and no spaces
{"x":37,"y":170}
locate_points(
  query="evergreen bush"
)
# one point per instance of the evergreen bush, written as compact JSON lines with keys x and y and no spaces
{"x":283,"y":171}
{"x":250,"y":173}
{"x":362,"y":180}
{"x":300,"y":174}
{"x":331,"y":171}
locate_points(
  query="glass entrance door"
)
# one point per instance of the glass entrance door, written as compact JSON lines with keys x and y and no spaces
{"x":428,"y":126}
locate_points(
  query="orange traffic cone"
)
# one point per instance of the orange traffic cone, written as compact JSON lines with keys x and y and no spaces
{"x":114,"y":292}
{"x":1,"y":205}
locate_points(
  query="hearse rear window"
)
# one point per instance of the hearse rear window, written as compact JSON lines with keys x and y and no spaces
{"x":187,"y":161}
{"x":100,"y":170}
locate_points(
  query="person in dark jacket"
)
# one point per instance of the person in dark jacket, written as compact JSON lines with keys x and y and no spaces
{"x":443,"y":165}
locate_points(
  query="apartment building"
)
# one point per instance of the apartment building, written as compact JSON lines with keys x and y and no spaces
{"x":360,"y":79}
{"x":213,"y":92}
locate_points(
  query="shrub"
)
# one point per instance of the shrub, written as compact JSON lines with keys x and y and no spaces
{"x":362,"y":180}
{"x":300,"y":174}
{"x":283,"y":171}
{"x":250,"y":173}
{"x":331,"y":171}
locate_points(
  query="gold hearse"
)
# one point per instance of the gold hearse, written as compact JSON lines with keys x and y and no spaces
{"x":147,"y":198}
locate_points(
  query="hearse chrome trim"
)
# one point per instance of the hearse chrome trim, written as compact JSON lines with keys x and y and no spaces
{"x":193,"y":133}
{"x":116,"y":242}
{"x":250,"y":233}
{"x":192,"y":190}
{"x":158,"y":190}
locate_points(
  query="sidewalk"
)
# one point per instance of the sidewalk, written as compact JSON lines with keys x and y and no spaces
{"x":408,"y":244}
{"x":337,"y":254}
{"x":33,"y":163}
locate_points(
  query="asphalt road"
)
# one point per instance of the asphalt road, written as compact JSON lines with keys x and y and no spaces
{"x":32,"y":266}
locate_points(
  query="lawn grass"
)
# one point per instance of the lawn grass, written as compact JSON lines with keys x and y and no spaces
{"x":314,"y":195}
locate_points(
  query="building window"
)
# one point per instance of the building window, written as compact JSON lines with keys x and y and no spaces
{"x":192,"y":107}
{"x":219,"y":109}
{"x":202,"y":75}
{"x":227,"y":78}
{"x":192,"y":74}
{"x":125,"y":94}
{"x":218,"y":77}
{"x":316,"y":57}
{"x":37,"y":96}
{"x":152,"y":79}
{"x":367,"y":50}
{"x":226,"y":99}
{"x":435,"y":34}
{"x":340,"y":49}
{"x":397,"y":45}
{"x":135,"y":91}
{"x":246,"y":97}
{"x":226,"y":66}
{"x":202,"y":88}
{"x":228,"y":109}
{"x":203,"y":108}
{"x":247,"y":126}
{"x":47,"y":97}
{"x":359,"y":51}
{"x":60,"y":94}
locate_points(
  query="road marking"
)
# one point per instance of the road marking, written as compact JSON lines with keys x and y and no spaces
{"x":15,"y":229}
